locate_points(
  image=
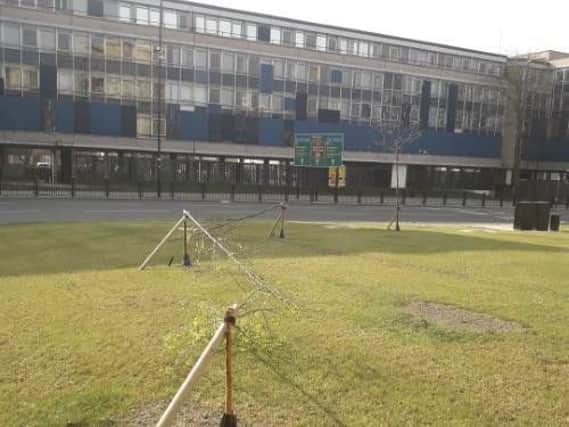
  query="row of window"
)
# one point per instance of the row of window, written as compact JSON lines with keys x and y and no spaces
{"x":291,"y":37}
{"x":385,"y":108}
{"x":114,"y":48}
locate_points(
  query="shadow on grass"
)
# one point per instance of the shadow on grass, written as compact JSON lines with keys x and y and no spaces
{"x":56,"y":248}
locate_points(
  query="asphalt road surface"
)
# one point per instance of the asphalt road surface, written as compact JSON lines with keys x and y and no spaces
{"x":49,"y":210}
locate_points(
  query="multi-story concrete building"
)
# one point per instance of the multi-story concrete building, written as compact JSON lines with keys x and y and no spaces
{"x":80,"y":84}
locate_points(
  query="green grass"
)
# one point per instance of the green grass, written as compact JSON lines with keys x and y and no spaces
{"x":85,"y":338}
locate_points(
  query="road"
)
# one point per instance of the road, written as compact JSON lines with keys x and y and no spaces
{"x":49,"y":210}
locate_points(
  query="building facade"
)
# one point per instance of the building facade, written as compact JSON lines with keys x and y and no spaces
{"x":88,"y":85}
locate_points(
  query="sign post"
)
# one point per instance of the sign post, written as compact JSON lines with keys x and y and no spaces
{"x":318,"y":150}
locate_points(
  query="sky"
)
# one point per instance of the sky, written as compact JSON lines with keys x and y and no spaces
{"x":500,"y":26}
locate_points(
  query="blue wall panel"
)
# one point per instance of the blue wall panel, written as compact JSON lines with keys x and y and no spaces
{"x":192,"y":126}
{"x":271,"y":131}
{"x":555,"y":151}
{"x":105,"y":119}
{"x":17,"y":113}
{"x":452,"y":144}
{"x":363,"y":138}
{"x":266,"y":80}
{"x":64,"y":116}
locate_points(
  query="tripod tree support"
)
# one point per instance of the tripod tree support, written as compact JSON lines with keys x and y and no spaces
{"x":186,"y":262}
{"x":162,"y":242}
{"x":168,"y":418}
{"x":280,"y":221}
{"x":229,"y":419}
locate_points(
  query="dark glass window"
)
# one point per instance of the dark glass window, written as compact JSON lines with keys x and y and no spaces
{"x":264,"y":33}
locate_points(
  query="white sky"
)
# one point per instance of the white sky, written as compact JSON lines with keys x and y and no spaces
{"x":500,"y":26}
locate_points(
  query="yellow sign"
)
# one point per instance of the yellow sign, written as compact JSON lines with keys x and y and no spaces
{"x":337,"y":176}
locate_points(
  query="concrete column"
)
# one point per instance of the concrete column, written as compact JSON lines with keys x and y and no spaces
{"x":266,"y":172}
{"x":288,"y":173}
{"x":66,"y":165}
{"x":239,"y":171}
{"x":173,"y":167}
{"x":402,"y":171}
{"x":2,"y":161}
{"x":221,"y":170}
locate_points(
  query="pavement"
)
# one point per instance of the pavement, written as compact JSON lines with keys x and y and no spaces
{"x":14,"y":211}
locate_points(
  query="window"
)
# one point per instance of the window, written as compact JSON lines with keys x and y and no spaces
{"x":98,"y":85}
{"x":214,"y":96}
{"x":251,"y":32}
{"x":28,"y":3}
{"x":29,"y":79}
{"x":313,"y":73}
{"x":114,"y":48}
{"x":236,"y":30}
{"x":29,"y":36}
{"x":277,"y":103}
{"x":366,"y":79}
{"x":187,"y":57}
{"x":363,"y":49}
{"x":199,"y":24}
{"x":171,"y":94}
{"x":214,"y":60}
{"x":299,"y":39}
{"x":65,"y":80}
{"x":336,"y":76}
{"x":200,"y":94}
{"x":211,"y":25}
{"x":81,"y":84}
{"x":301,"y":72}
{"x":310,"y":41}
{"x":332,"y":44}
{"x":275,"y":35}
{"x":321,"y":42}
{"x":154,"y":17}
{"x":378,"y":81}
{"x":81,"y":43}
{"x":278,"y":69}
{"x":12,"y":34}
{"x":287,"y":38}
{"x":227,"y":97}
{"x":142,"y":15}
{"x":170,"y":19}
{"x":173,"y":55}
{"x":394,"y":53}
{"x":47,"y":40}
{"x":242,"y":64}
{"x":375,"y":50}
{"x":13,"y":78}
{"x":143,"y":124}
{"x":343,"y":46}
{"x":143,"y":52}
{"x":352,"y":47}
{"x":185,"y":92}
{"x":201,"y":58}
{"x":225,"y":28}
{"x":143,"y":89}
{"x":98,"y":46}
{"x":127,"y":49}
{"x":228,"y":62}
{"x":124,"y":13}
{"x":128,"y":89}
{"x":113,"y":88}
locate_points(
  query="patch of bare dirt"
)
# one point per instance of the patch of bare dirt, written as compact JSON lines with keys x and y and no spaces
{"x":456,"y":318}
{"x":200,"y":415}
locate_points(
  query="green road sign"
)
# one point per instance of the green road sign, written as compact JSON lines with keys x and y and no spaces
{"x":318,"y":150}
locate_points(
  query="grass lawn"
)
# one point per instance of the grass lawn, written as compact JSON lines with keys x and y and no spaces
{"x":85,"y":339}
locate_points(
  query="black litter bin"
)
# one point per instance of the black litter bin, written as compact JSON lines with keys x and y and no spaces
{"x":532,"y":216}
{"x":554,"y":223}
